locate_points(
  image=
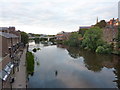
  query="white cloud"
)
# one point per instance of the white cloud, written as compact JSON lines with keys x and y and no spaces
{"x":52,"y":16}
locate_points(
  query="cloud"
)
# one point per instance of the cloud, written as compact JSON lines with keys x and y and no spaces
{"x":52,"y":16}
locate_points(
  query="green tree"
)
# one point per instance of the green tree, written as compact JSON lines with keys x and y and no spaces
{"x":91,"y":38}
{"x":74,"y":39}
{"x":101,"y":24}
{"x":82,"y":31}
{"x":24,"y":38}
{"x":105,"y":49}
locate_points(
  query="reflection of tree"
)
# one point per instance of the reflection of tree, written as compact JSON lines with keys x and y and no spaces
{"x":74,"y":52}
{"x":93,"y":61}
{"x":117,"y":73}
{"x":37,"y":40}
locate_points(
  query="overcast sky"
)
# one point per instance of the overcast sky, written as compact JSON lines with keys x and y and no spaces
{"x":53,"y":16}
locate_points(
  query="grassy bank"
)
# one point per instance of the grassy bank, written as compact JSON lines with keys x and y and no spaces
{"x":30,"y":62}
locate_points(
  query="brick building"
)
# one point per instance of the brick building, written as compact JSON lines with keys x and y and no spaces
{"x":10,"y":41}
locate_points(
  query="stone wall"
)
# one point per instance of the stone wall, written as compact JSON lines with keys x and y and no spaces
{"x":110,"y":33}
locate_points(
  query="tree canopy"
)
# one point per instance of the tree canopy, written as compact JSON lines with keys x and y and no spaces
{"x":101,"y":24}
{"x":24,"y":38}
{"x":74,"y":39}
{"x":92,"y":38}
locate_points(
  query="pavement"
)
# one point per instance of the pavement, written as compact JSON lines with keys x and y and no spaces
{"x":20,"y":74}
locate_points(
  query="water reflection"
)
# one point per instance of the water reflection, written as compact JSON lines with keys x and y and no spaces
{"x":95,"y":71}
{"x":95,"y":62}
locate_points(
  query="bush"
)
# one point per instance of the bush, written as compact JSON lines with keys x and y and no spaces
{"x":34,"y":50}
{"x":30,"y":62}
{"x":105,"y":49}
{"x":100,"y":49}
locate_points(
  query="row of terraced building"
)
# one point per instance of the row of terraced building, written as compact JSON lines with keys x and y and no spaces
{"x":10,"y":44}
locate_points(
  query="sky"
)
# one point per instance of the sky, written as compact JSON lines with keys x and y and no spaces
{"x":54,"y":16}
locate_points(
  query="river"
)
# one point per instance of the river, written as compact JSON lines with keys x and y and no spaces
{"x":60,"y":66}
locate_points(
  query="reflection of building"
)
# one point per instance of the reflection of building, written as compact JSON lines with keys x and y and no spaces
{"x":10,"y":42}
{"x":63,"y":35}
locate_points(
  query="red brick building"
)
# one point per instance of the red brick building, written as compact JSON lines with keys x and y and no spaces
{"x":10,"y":41}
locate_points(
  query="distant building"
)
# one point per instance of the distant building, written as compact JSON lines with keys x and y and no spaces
{"x":113,"y":22}
{"x":84,"y":27}
{"x":63,"y":35}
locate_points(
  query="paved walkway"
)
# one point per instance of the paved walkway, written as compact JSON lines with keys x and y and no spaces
{"x":20,"y":76}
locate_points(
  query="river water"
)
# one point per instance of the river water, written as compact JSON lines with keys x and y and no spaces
{"x":60,"y":66}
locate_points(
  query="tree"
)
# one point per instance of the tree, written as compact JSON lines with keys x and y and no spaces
{"x":74,"y":39}
{"x":82,"y":31}
{"x":101,"y":24}
{"x":91,"y":38}
{"x":105,"y":49}
{"x":24,"y":38}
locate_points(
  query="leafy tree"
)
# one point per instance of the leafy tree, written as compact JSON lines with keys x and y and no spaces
{"x":91,"y":38}
{"x":105,"y":49}
{"x":101,"y":24}
{"x":82,"y":31}
{"x":74,"y":39}
{"x":37,"y":40}
{"x":24,"y":38}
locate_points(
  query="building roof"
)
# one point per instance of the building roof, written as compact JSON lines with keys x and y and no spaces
{"x":8,"y":35}
{"x":3,"y":28}
{"x":85,"y":27}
